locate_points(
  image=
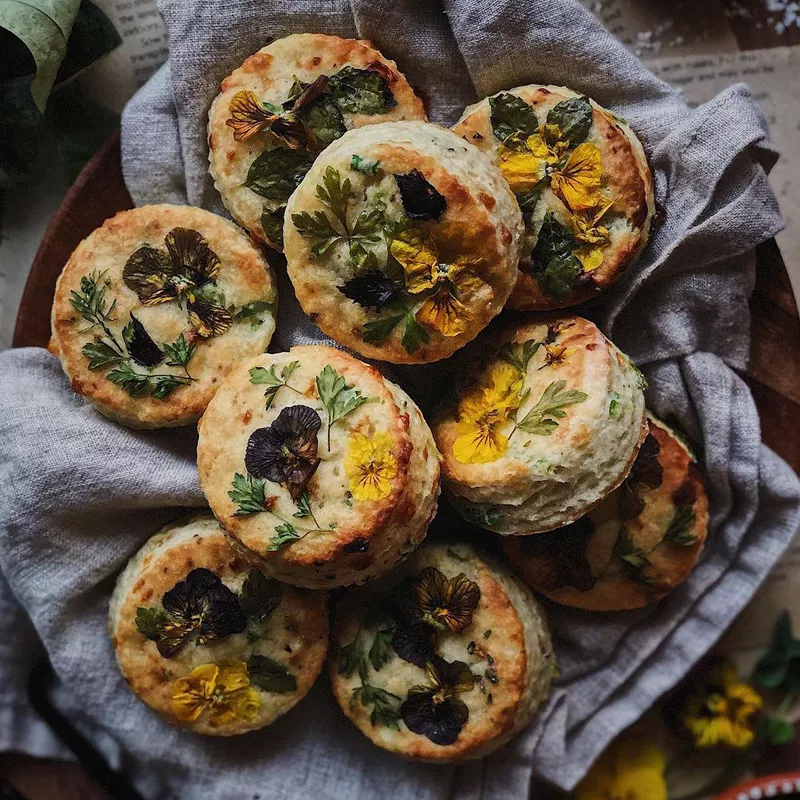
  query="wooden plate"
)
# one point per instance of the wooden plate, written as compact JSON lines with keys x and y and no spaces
{"x":774,"y":374}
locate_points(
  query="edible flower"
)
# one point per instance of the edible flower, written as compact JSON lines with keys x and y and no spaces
{"x":630,"y":769}
{"x":442,"y":602}
{"x":370,"y":465}
{"x":577,"y":183}
{"x":223,"y":691}
{"x":286,"y":451}
{"x":586,"y":227}
{"x":724,"y":711}
{"x":186,"y":270}
{"x":446,"y":280}
{"x":250,"y":117}
{"x":435,"y":710}
{"x":481,"y":414}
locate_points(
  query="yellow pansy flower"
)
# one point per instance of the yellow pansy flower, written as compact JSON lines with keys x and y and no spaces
{"x":628,"y":770}
{"x":224,"y":691}
{"x":482,"y":412}
{"x":549,"y":152}
{"x":724,"y":712}
{"x":586,"y":227}
{"x":446,"y":280}
{"x":370,"y":465}
{"x":521,"y":169}
{"x":577,"y":183}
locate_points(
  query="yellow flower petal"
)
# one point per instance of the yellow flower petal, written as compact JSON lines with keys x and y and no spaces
{"x":479,"y":443}
{"x":628,"y":770}
{"x":443,"y":312}
{"x":193,"y":694}
{"x":522,"y":170}
{"x":248,"y":116}
{"x":591,"y":258}
{"x":370,"y":465}
{"x":578,"y":182}
{"x":418,"y":259}
{"x":541,"y":149}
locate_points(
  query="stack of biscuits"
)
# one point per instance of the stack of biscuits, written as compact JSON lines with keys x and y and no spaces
{"x":405,"y":243}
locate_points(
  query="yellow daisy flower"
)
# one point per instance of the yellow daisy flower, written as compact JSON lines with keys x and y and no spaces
{"x":223,"y":691}
{"x":370,"y":465}
{"x":724,"y":712}
{"x":628,"y":770}
{"x":577,"y":183}
{"x":447,"y":281}
{"x":483,"y":412}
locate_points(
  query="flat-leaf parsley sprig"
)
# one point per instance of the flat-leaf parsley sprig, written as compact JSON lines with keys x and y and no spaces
{"x":337,"y":396}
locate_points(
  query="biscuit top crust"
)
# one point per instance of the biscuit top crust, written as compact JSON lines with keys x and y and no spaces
{"x":529,"y":402}
{"x":433,"y":663}
{"x":402,"y":242}
{"x":304,"y":455}
{"x":189,"y":610}
{"x":154,"y":306}
{"x":582,"y":180}
{"x":636,"y":546}
{"x":287,"y":102}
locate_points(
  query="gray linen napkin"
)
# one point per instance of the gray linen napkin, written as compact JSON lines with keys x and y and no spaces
{"x":78,"y":494}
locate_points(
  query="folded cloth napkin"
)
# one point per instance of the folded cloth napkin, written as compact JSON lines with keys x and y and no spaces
{"x":79,"y":494}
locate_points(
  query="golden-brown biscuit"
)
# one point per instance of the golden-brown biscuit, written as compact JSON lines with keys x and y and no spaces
{"x":632,"y":549}
{"x":582,"y":179}
{"x":154,"y":307}
{"x":206,"y":640}
{"x":545,"y":422}
{"x":285,"y":104}
{"x":402,"y":242}
{"x":325,"y":471}
{"x":444,"y":660}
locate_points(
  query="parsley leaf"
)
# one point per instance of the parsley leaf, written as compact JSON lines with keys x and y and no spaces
{"x":679,"y":528}
{"x":381,"y":649}
{"x":317,"y":226}
{"x":414,"y":334}
{"x":543,"y":418}
{"x":350,"y":656}
{"x":337,"y":396}
{"x":303,"y":506}
{"x":626,"y":551}
{"x":179,"y":353}
{"x":518,"y":354}
{"x":261,"y":376}
{"x":376,"y":331}
{"x":248,"y":494}
{"x":287,"y":533}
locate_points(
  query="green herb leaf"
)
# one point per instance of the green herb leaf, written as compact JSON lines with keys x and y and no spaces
{"x":317,"y":226}
{"x":269,"y":675}
{"x":779,"y":667}
{"x":260,"y":596}
{"x":150,"y":621}
{"x":555,"y":267}
{"x":361,"y":91}
{"x":513,"y":120}
{"x":368,"y":166}
{"x":162,"y":386}
{"x":350,"y":656}
{"x":519,"y":354}
{"x":323,"y":121}
{"x":614,"y":406}
{"x":640,"y":378}
{"x":179,"y":353}
{"x":775,"y":731}
{"x":626,"y":551}
{"x":276,"y":173}
{"x":376,"y":331}
{"x":414,"y":334}
{"x":339,"y":398}
{"x":272,"y":224}
{"x":381,"y":649}
{"x":287,"y":533}
{"x":385,"y":704}
{"x":679,"y":529}
{"x":248,"y":494}
{"x":124,"y":376}
{"x":335,"y":193}
{"x":100,"y":354}
{"x":528,"y":200}
{"x":261,"y":376}
{"x":303,"y":506}
{"x":573,"y":118}
{"x":559,"y":276}
{"x":543,"y":418}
